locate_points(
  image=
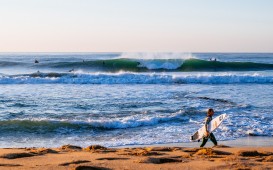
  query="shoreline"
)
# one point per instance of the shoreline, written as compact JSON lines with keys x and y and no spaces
{"x":249,"y":141}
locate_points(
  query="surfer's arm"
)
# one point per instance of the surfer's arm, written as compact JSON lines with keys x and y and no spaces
{"x":207,"y":126}
{"x":207,"y":129}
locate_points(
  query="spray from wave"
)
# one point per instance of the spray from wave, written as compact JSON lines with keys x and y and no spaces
{"x":155,"y":61}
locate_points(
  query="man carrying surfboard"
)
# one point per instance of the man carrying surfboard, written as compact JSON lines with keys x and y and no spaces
{"x":208,"y":134}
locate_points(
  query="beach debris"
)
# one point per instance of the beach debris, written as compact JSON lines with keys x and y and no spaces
{"x":74,"y":162}
{"x":90,"y":168}
{"x":17,"y":155}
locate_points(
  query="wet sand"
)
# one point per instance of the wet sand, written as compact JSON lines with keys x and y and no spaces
{"x":250,"y":141}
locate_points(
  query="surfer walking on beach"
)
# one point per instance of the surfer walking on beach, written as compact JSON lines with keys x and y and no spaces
{"x":208,"y":135}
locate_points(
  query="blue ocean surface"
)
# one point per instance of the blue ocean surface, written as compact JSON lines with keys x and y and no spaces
{"x":118,"y":99}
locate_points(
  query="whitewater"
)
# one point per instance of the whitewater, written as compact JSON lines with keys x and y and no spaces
{"x":119,"y":99}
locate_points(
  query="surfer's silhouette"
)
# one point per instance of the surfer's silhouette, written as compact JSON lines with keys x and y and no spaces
{"x":36,"y":61}
{"x":212,"y":59}
{"x":72,"y":70}
{"x":208,"y":135}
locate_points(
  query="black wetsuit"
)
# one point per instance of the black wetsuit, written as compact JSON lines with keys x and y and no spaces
{"x":211,"y":136}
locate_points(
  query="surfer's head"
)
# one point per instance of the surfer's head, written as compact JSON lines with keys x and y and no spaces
{"x":210,"y":112}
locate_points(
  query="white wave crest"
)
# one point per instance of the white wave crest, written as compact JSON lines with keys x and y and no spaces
{"x":135,"y":121}
{"x":132,"y":121}
{"x":143,"y":78}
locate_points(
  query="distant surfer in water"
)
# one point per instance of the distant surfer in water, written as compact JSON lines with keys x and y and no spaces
{"x":36,"y":61}
{"x":212,"y":59}
{"x":208,"y":135}
{"x":72,"y":70}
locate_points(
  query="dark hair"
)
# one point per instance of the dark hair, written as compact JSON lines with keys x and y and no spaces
{"x":210,"y":110}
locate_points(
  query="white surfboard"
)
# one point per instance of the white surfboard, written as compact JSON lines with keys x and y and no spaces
{"x":214,"y":124}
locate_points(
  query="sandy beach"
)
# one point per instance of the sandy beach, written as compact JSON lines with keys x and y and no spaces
{"x":147,"y":157}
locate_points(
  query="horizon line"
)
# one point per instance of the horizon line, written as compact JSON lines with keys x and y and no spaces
{"x":241,"y":52}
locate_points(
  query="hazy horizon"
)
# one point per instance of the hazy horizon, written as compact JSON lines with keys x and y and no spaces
{"x":69,"y":26}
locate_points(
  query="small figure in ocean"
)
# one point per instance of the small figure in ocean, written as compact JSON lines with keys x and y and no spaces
{"x":208,"y":135}
{"x":36,"y":61}
{"x":72,"y":70}
{"x":212,"y":59}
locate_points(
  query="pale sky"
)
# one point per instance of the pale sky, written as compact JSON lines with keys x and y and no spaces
{"x":136,"y":25}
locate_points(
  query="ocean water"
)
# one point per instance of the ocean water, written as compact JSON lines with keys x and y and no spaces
{"x":118,"y":99}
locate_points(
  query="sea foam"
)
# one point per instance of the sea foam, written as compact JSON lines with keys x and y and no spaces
{"x":136,"y":78}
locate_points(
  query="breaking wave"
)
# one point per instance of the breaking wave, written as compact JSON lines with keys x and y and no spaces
{"x":135,"y":78}
{"x":144,"y":65}
{"x":45,"y":126}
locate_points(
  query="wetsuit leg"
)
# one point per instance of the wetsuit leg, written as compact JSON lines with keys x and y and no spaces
{"x":204,"y":142}
{"x":212,"y":138}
